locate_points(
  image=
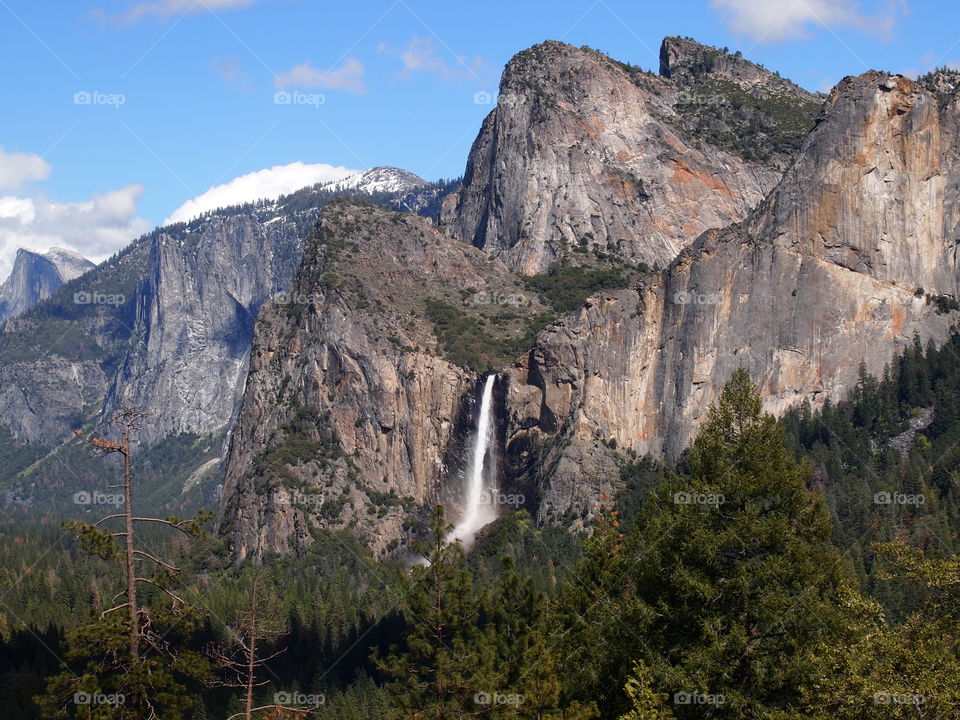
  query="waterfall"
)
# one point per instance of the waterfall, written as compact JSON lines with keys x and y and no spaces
{"x":479,"y":494}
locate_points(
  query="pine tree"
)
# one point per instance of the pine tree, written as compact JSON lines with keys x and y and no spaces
{"x":444,"y":665}
{"x":736,"y":564}
{"x":600,"y":619}
{"x":645,"y":703}
{"x":527,"y":663}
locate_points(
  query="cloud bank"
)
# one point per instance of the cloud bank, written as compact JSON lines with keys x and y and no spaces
{"x":95,"y":228}
{"x":270,"y":183}
{"x":772,"y":22}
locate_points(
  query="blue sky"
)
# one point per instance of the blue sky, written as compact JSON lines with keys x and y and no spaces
{"x":182,"y":93}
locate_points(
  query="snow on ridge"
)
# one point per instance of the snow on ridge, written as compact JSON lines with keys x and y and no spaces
{"x":378,"y":179}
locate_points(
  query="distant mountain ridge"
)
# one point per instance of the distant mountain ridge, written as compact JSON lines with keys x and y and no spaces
{"x":36,"y":275}
{"x":171,"y":334}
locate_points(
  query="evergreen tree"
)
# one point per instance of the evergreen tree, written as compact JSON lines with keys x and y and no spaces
{"x":527,"y":664}
{"x":736,"y":566}
{"x":645,"y":703}
{"x":600,"y":617}
{"x":445,"y":662}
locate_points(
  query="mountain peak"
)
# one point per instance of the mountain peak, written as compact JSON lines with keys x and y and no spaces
{"x":635,"y":156}
{"x":382,"y":178}
{"x":688,"y":62}
{"x":36,"y":275}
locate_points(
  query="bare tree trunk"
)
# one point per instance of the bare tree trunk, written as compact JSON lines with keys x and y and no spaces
{"x":130,"y":555}
{"x":252,"y":652}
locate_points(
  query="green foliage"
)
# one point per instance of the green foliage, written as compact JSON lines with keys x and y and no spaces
{"x":645,"y":702}
{"x":307,"y":436}
{"x":755,"y":125}
{"x":161,"y":685}
{"x":944,"y":303}
{"x":540,"y":554}
{"x":894,"y":437}
{"x":727,"y":584}
{"x":470,"y":344}
{"x":566,"y":286}
{"x":906,"y":671}
{"x":15,"y":455}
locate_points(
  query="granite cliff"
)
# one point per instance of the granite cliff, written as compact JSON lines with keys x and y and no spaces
{"x":583,"y":153}
{"x":836,"y":267}
{"x":843,"y":261}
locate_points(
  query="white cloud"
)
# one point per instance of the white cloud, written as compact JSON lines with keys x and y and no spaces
{"x":422,"y":55}
{"x":19,"y":168}
{"x":766,"y":21}
{"x":165,"y":9}
{"x":96,"y":228}
{"x":348,"y":76}
{"x":270,"y":183}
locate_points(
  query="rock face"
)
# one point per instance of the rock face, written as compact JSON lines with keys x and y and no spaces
{"x":582,"y":151}
{"x":164,"y":325}
{"x":351,"y":415}
{"x":193,"y":319}
{"x":35,"y":276}
{"x":821,"y":277}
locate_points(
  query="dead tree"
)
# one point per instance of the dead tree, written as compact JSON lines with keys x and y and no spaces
{"x":129,"y":420}
{"x":133,"y":655}
{"x":239,"y":657}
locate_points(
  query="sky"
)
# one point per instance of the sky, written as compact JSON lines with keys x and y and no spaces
{"x":119,"y":115}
